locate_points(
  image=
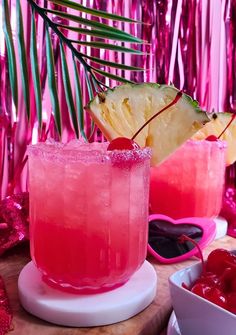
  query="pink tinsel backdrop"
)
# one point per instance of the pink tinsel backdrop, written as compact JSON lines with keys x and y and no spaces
{"x":190,"y":43}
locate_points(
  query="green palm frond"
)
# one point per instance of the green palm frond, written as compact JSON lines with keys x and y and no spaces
{"x":90,"y":23}
{"x":52,"y":81}
{"x":111,"y":35}
{"x":99,"y":13}
{"x":79,"y":99}
{"x":35,"y":70}
{"x":92,"y":33}
{"x":22,"y":55}
{"x":10,"y":51}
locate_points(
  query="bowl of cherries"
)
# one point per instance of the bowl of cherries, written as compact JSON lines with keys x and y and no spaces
{"x":204,"y":295}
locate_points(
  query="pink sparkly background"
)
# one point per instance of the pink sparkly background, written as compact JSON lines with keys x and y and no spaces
{"x":191,"y":43}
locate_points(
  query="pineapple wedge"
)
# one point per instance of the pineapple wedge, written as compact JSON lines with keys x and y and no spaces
{"x":124,"y":110}
{"x":215,"y":127}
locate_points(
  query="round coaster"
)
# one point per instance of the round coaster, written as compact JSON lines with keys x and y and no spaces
{"x":76,"y":310}
{"x":221,"y":227}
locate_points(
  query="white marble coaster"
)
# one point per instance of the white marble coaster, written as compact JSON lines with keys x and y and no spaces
{"x":76,"y":310}
{"x":221,"y":227}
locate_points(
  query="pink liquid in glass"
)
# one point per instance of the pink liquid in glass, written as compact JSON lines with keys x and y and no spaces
{"x":88,"y":214}
{"x":190,"y":182}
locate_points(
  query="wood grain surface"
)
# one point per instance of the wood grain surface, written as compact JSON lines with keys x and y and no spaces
{"x":152,"y":321}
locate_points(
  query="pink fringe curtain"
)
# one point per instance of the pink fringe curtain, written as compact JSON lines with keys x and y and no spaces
{"x":190,"y":43}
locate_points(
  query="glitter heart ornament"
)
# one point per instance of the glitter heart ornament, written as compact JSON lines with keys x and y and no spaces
{"x":14,"y":218}
{"x":5,"y":310}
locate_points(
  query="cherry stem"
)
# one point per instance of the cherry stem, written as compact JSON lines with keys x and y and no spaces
{"x":183,"y":238}
{"x":176,"y":99}
{"x":232,"y":119}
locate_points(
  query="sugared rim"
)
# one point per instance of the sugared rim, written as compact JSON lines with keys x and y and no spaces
{"x":78,"y":152}
{"x":219,"y":143}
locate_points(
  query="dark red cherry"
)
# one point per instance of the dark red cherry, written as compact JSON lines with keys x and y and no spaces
{"x":233,"y":285}
{"x":217,"y":261}
{"x":232,"y":260}
{"x":201,"y":289}
{"x":211,"y":138}
{"x":228,"y":279}
{"x":217,"y":282}
{"x":216,"y":296}
{"x":122,"y":143}
{"x":210,"y":279}
{"x":213,"y":294}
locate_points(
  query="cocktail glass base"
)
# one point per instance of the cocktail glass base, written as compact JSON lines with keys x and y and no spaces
{"x":221,"y":227}
{"x":91,"y":310}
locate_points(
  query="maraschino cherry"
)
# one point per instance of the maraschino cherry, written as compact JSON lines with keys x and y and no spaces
{"x":217,"y":282}
{"x":217,"y":261}
{"x":124,"y":143}
{"x":213,"y":138}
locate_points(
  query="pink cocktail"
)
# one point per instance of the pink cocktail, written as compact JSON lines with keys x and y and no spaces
{"x":190,"y":182}
{"x":88,"y":214}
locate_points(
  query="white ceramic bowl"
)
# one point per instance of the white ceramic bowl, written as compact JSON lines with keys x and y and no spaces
{"x":195,"y":315}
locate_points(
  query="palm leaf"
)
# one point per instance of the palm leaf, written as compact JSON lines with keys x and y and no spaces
{"x":52,"y":81}
{"x":89,"y":85}
{"x":10,"y":52}
{"x":94,"y":24}
{"x":94,"y":12}
{"x":22,"y":55}
{"x":112,"y":64}
{"x":90,"y":93}
{"x":79,"y":99}
{"x":35,"y":70}
{"x":112,"y":76}
{"x":111,"y":35}
{"x":68,"y":91}
{"x":101,"y":45}
{"x":55,"y":26}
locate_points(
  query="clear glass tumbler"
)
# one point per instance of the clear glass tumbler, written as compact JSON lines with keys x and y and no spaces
{"x":190,"y":182}
{"x":88,"y":214}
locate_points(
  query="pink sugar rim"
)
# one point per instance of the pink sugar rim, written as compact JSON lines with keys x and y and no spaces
{"x":219,"y":143}
{"x":62,"y":154}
